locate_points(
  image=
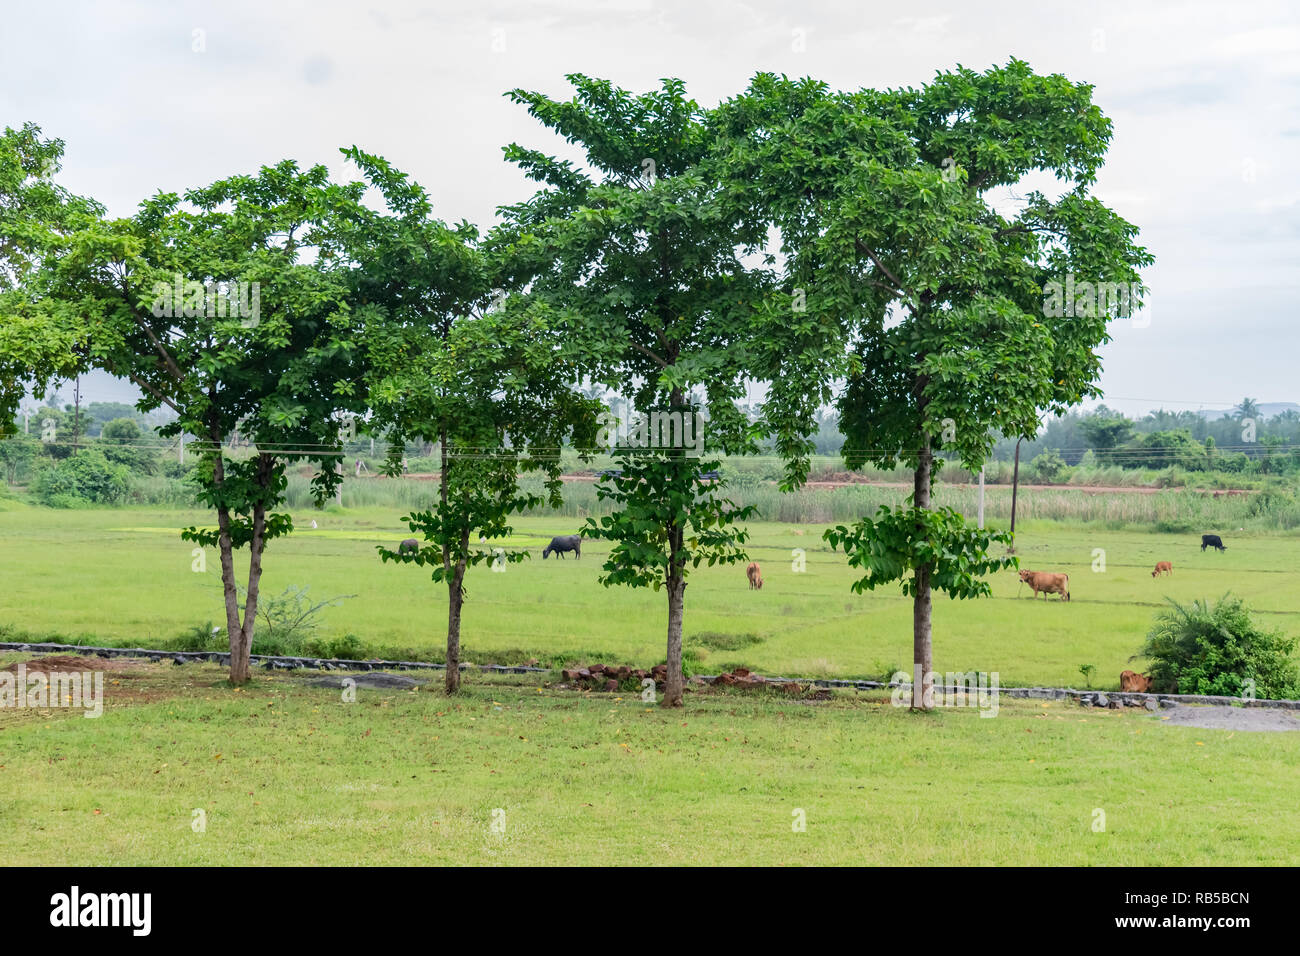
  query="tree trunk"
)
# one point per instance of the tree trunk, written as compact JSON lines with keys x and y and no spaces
{"x":455,"y":601}
{"x":675,"y":683}
{"x":1015,"y":486}
{"x":241,"y":633}
{"x":254,"y":588}
{"x":225,"y":547}
{"x":455,"y":578}
{"x":234,"y":630}
{"x":922,"y":677}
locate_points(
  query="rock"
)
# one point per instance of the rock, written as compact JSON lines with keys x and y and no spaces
{"x":790,"y":687}
{"x":1101,"y":700}
{"x":597,"y":668}
{"x":611,"y":684}
{"x":1166,"y":703}
{"x":1151,"y":705}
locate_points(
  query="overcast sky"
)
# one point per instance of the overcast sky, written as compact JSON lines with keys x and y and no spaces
{"x":1205,"y":99}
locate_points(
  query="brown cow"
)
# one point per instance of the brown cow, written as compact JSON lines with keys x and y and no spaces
{"x":1047,"y":582}
{"x":755,"y":575}
{"x":1164,"y":566}
{"x":1131,"y":682}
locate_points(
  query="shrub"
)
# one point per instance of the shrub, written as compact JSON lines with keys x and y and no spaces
{"x":88,"y":477}
{"x":200,"y":637}
{"x":346,"y":648}
{"x":1048,"y":466}
{"x":287,"y":620}
{"x":1214,"y":650}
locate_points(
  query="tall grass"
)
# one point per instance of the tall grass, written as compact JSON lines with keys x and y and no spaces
{"x":1170,"y":511}
{"x":748,"y":483}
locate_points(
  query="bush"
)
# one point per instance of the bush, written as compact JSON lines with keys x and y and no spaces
{"x":1214,"y":650}
{"x":346,"y":648}
{"x":88,"y":477}
{"x":286,"y":621}
{"x":200,"y":637}
{"x":1048,"y":466}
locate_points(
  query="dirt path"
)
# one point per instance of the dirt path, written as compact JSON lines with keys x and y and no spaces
{"x":1232,"y":718}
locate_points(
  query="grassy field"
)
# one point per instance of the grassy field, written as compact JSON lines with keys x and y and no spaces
{"x":287,"y":773}
{"x":124,"y":576}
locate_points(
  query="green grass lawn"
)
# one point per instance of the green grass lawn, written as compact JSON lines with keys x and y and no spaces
{"x":124,"y":575}
{"x":287,"y":773}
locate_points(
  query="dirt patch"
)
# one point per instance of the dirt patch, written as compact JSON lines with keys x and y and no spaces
{"x":65,"y":663}
{"x":1232,"y":718}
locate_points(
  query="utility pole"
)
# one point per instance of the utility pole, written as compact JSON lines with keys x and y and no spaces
{"x":981,"y":514}
{"x":180,"y":449}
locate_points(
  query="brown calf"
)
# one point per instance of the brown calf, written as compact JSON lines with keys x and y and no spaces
{"x":1132,"y":682}
{"x":1163,"y":566}
{"x":755,"y":575}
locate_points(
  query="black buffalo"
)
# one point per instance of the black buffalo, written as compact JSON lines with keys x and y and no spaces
{"x":1212,"y":541}
{"x":562,"y":543}
{"x":409,"y":546}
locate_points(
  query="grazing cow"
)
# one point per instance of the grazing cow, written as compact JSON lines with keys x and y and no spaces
{"x":1212,"y":541}
{"x":755,"y":575}
{"x":1047,"y":582}
{"x":1162,"y":566}
{"x":1131,"y":682}
{"x":563,"y":543}
{"x":409,"y":546}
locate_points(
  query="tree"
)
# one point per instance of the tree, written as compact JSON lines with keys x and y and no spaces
{"x":215,"y":309}
{"x":882,"y":200}
{"x":456,"y":362}
{"x":120,"y":431}
{"x":90,"y":477}
{"x":1105,"y":434}
{"x":39,"y":337}
{"x":1048,"y":465}
{"x":17,"y":453}
{"x":643,"y":254}
{"x":121,"y":441}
